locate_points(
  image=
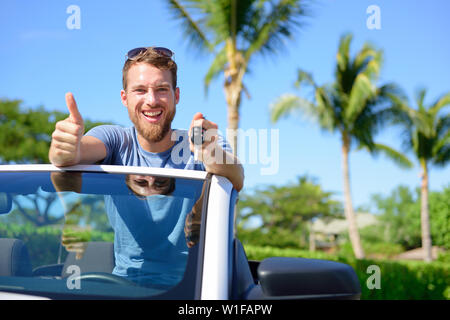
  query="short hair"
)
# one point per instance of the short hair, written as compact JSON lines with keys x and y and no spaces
{"x":153,"y":58}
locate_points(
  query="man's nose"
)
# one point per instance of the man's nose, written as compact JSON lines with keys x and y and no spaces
{"x":151,"y":97}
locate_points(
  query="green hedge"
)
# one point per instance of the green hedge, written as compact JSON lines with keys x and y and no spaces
{"x":403,"y":280}
{"x":43,"y":243}
{"x":399,"y":279}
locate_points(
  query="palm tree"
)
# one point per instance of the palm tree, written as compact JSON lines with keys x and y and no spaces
{"x":352,"y":106}
{"x":236,"y":30}
{"x":427,"y":135}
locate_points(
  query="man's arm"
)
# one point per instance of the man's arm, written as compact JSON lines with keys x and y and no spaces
{"x":69,"y":146}
{"x":215,"y":159}
{"x":229,"y":167}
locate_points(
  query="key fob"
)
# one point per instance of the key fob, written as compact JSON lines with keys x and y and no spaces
{"x":197,"y":135}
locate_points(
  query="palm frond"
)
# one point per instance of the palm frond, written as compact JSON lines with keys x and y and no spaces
{"x":363,"y":57}
{"x":227,"y":19}
{"x":304,"y":77}
{"x":442,"y":158}
{"x":328,"y":108}
{"x":442,"y":125}
{"x":441,"y":102}
{"x":397,"y":157}
{"x":374,"y":113}
{"x":194,"y":30}
{"x":441,"y":150}
{"x":367,"y":61}
{"x":271,"y":24}
{"x":343,"y":54}
{"x":372,"y":65}
{"x":400,"y":113}
{"x":218,"y":18}
{"x":362,"y":91}
{"x":417,"y":119}
{"x":216,"y":68}
{"x":288,"y":104}
{"x":420,"y":98}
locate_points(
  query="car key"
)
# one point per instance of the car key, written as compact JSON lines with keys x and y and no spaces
{"x":198,"y":136}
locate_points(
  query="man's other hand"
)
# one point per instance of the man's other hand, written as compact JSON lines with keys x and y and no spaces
{"x":66,"y":139}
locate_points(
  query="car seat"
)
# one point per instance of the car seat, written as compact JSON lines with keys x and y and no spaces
{"x":14,"y":258}
{"x":98,"y":257}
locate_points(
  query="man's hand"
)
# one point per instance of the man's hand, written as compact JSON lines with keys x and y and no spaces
{"x":75,"y":238}
{"x":215,"y":159}
{"x":66,"y":139}
{"x":205,"y":150}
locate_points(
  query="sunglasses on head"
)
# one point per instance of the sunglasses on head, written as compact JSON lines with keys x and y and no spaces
{"x":133,"y":53}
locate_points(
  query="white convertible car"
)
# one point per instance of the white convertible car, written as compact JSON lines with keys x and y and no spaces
{"x":115,"y":232}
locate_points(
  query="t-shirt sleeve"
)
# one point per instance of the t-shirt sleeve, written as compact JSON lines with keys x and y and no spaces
{"x":221,"y":140}
{"x":112,"y":137}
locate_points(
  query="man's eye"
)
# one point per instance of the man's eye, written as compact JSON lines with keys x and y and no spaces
{"x":160,"y":183}
{"x":139,"y":90}
{"x":141,"y":183}
{"x":163,"y":89}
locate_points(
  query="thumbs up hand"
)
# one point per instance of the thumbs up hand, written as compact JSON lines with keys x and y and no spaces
{"x":75,"y":116}
{"x":66,"y":139}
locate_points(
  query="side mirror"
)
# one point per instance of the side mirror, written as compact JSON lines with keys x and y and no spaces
{"x":5,"y":203}
{"x":300,"y":278}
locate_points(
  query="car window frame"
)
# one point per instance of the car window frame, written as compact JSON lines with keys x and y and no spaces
{"x":190,"y":285}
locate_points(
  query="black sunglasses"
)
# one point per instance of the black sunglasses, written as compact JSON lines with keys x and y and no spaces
{"x":133,"y":53}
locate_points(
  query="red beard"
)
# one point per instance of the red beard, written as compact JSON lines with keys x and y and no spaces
{"x":153,"y":132}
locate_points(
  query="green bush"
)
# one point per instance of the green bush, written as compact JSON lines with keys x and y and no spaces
{"x":400,"y":280}
{"x":376,"y":250}
{"x":43,"y":243}
{"x":399,"y":217}
{"x":273,"y":237}
{"x":444,"y":257}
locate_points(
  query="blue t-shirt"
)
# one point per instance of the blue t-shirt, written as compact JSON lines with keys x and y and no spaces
{"x":149,"y":241}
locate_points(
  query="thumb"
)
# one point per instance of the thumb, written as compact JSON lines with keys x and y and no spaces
{"x":198,"y":116}
{"x":75,"y":115}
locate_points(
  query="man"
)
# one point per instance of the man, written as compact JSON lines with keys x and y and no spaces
{"x":150,"y":94}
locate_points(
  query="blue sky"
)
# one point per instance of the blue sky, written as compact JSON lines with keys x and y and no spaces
{"x":41,"y":60}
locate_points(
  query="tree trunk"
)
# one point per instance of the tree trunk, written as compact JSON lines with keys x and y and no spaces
{"x":348,"y":206}
{"x":233,"y":92}
{"x":425,"y":214}
{"x":233,"y":125}
{"x":233,"y":87}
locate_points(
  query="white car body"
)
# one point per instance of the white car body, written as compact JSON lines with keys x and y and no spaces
{"x":225,"y":273}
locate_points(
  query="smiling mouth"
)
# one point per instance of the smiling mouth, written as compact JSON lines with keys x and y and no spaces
{"x":152,"y":116}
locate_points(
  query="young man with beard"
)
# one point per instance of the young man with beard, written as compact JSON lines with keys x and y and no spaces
{"x":150,"y":94}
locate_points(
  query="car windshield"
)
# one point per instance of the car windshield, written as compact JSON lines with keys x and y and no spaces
{"x":99,"y":234}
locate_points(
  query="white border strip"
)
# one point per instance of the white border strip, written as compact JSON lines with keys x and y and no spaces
{"x":163,"y":172}
{"x":215,"y":259}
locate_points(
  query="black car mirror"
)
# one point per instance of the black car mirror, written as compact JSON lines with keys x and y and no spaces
{"x":5,"y":203}
{"x":300,"y":278}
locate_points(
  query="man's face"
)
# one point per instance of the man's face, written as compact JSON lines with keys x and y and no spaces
{"x":150,"y":100}
{"x":148,"y":185}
